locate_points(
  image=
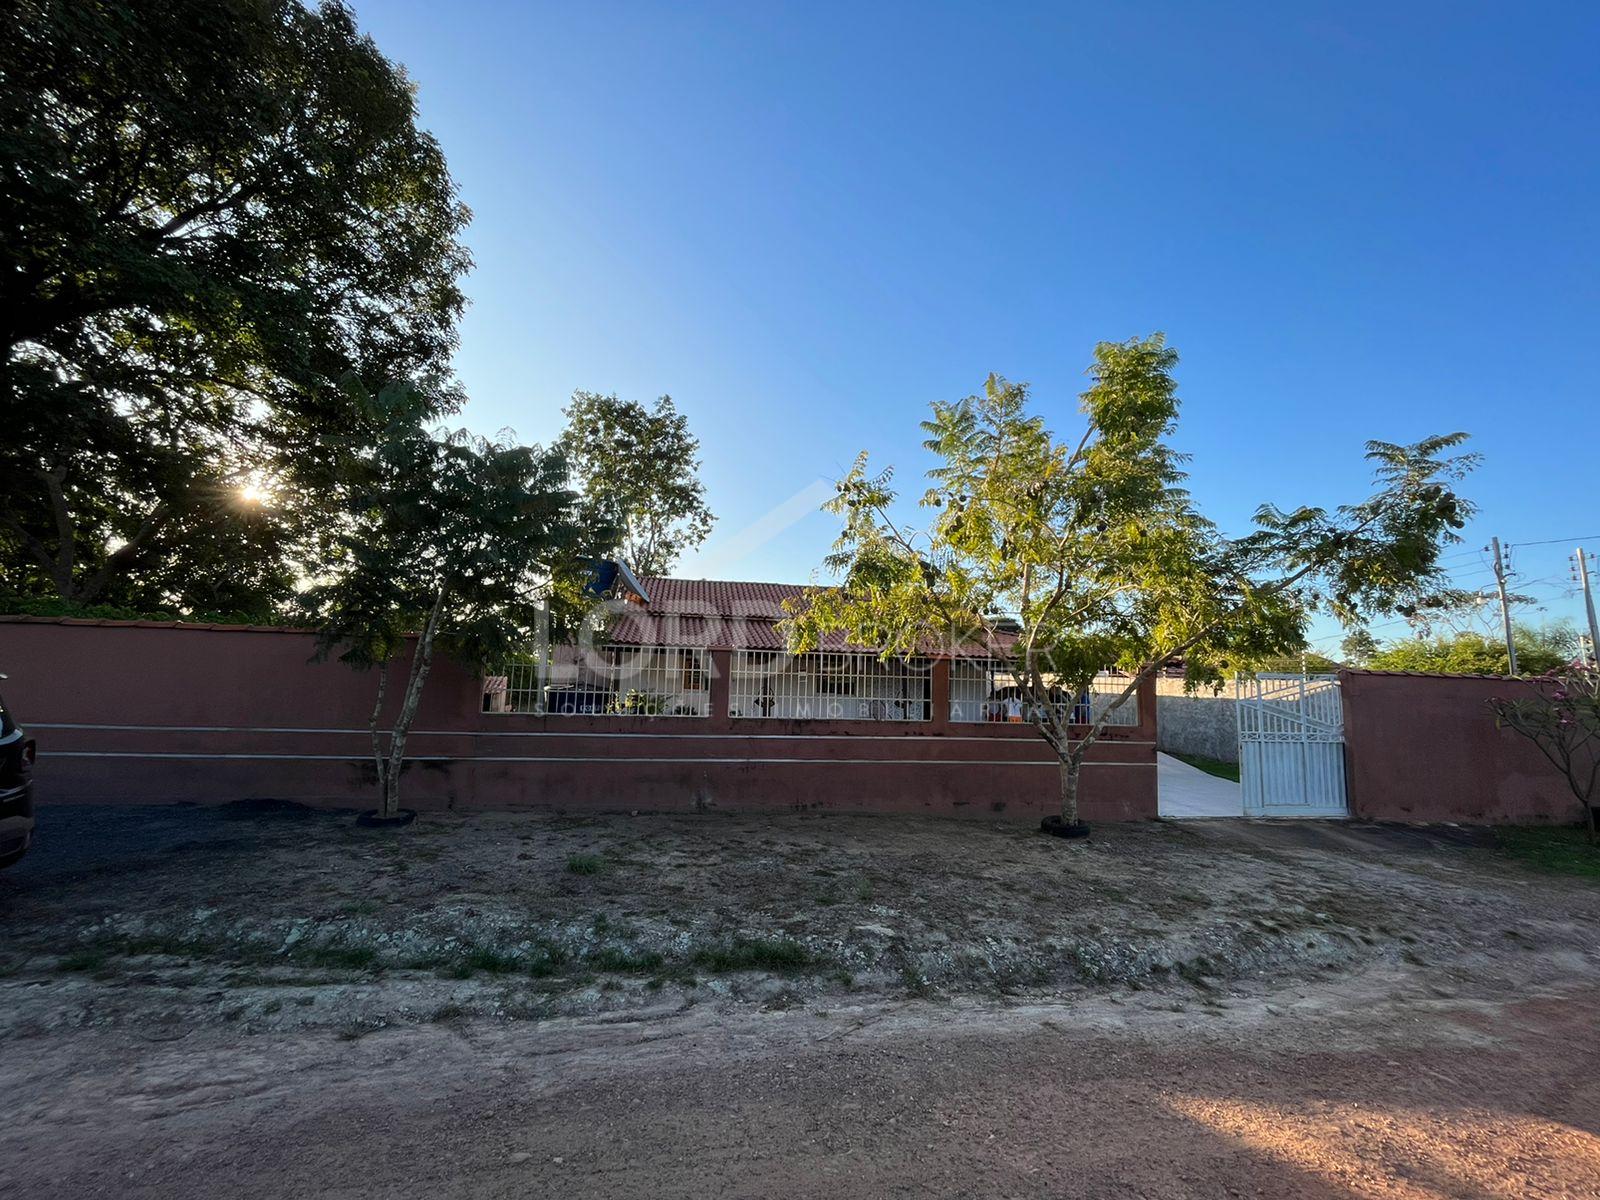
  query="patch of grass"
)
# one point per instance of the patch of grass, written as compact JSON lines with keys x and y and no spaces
{"x":585,"y":864}
{"x":90,"y":958}
{"x":1555,"y":849}
{"x":616,"y":958}
{"x":546,"y":961}
{"x":174,"y":946}
{"x":543,"y":960}
{"x":492,"y":960}
{"x":360,"y":908}
{"x":349,"y":958}
{"x":783,"y":956}
{"x":1211,"y":766}
{"x":915,"y":982}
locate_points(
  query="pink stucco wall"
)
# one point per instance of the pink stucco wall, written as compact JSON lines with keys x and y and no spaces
{"x":1425,"y":748}
{"x":150,"y":713}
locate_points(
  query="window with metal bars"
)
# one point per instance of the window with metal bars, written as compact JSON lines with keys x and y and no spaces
{"x":828,"y":686}
{"x":613,"y":681}
{"x":988,"y":690}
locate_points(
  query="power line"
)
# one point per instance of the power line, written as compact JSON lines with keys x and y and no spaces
{"x":1588,"y":537}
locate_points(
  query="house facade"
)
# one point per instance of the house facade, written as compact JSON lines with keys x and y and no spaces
{"x":683,"y":698}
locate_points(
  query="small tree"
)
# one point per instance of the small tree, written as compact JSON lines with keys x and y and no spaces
{"x":638,"y":471}
{"x":458,"y":540}
{"x":1358,"y":646}
{"x":1064,"y":559}
{"x":1560,"y":714}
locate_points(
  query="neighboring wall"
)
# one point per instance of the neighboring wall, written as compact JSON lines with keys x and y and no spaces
{"x":1198,"y":722}
{"x":1425,"y":748}
{"x":141,"y":712}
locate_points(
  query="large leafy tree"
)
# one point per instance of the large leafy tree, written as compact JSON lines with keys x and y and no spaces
{"x":639,"y":472}
{"x":447,"y":542}
{"x":215,"y":211}
{"x":1068,"y":557}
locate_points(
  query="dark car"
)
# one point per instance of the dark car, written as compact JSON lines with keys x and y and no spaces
{"x":16,"y":788}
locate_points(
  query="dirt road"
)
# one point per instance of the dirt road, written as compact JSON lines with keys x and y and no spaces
{"x":1328,"y":1092}
{"x":1454,"y":1056}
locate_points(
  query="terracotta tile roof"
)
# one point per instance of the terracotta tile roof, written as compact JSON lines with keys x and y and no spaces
{"x":725,"y":614}
{"x":719,"y":613}
{"x":723,"y":596}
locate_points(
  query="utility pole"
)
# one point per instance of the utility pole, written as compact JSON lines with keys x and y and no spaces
{"x":1588,"y":603}
{"x":1505,"y":604}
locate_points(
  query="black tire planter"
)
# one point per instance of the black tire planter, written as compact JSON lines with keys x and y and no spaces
{"x":1056,"y":827}
{"x":376,"y":820}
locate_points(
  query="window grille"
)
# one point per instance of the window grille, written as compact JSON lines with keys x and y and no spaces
{"x":828,"y":686}
{"x":614,"y":681}
{"x":987,"y":690}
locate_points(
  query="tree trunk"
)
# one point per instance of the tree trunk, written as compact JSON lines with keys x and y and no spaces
{"x":420,"y":662}
{"x":377,"y":744}
{"x":61,"y":563}
{"x":1069,"y":786}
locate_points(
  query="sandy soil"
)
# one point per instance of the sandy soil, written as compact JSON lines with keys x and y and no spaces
{"x":950,"y":1009}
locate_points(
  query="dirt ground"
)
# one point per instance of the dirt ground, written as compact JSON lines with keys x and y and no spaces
{"x":261,"y":1002}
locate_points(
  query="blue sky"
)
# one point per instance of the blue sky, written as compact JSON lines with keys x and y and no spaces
{"x":808,"y":221}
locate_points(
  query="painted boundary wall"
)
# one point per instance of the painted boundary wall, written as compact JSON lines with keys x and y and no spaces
{"x":1201,"y":722}
{"x":1426,"y":748}
{"x":146,"y":712}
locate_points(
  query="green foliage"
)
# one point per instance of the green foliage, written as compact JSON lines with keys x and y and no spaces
{"x":215,"y":212}
{"x":1067,"y":557}
{"x":585,"y":864}
{"x":1211,"y":766}
{"x":458,"y":533}
{"x":781,"y":955}
{"x":53,"y":606}
{"x":1557,"y":850}
{"x":1358,"y":647}
{"x":639,"y":474}
{"x":620,"y":959}
{"x":641,"y":704}
{"x":1540,"y":649}
{"x":1560,"y":714}
{"x":1294,"y":664}
{"x":459,"y":539}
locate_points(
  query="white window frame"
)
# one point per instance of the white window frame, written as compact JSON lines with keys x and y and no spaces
{"x":609,"y":681}
{"x":975,"y":682}
{"x":828,"y":686}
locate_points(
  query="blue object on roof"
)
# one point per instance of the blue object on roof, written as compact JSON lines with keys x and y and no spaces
{"x":609,"y":577}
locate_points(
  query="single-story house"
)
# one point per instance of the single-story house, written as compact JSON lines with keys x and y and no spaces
{"x":685,"y":697}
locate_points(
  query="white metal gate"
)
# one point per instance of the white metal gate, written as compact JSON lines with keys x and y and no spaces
{"x":1291,"y":746}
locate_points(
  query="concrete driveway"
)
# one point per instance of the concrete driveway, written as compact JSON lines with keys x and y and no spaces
{"x":1187,"y":791}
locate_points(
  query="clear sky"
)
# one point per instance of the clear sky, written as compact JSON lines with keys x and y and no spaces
{"x":805,"y":222}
